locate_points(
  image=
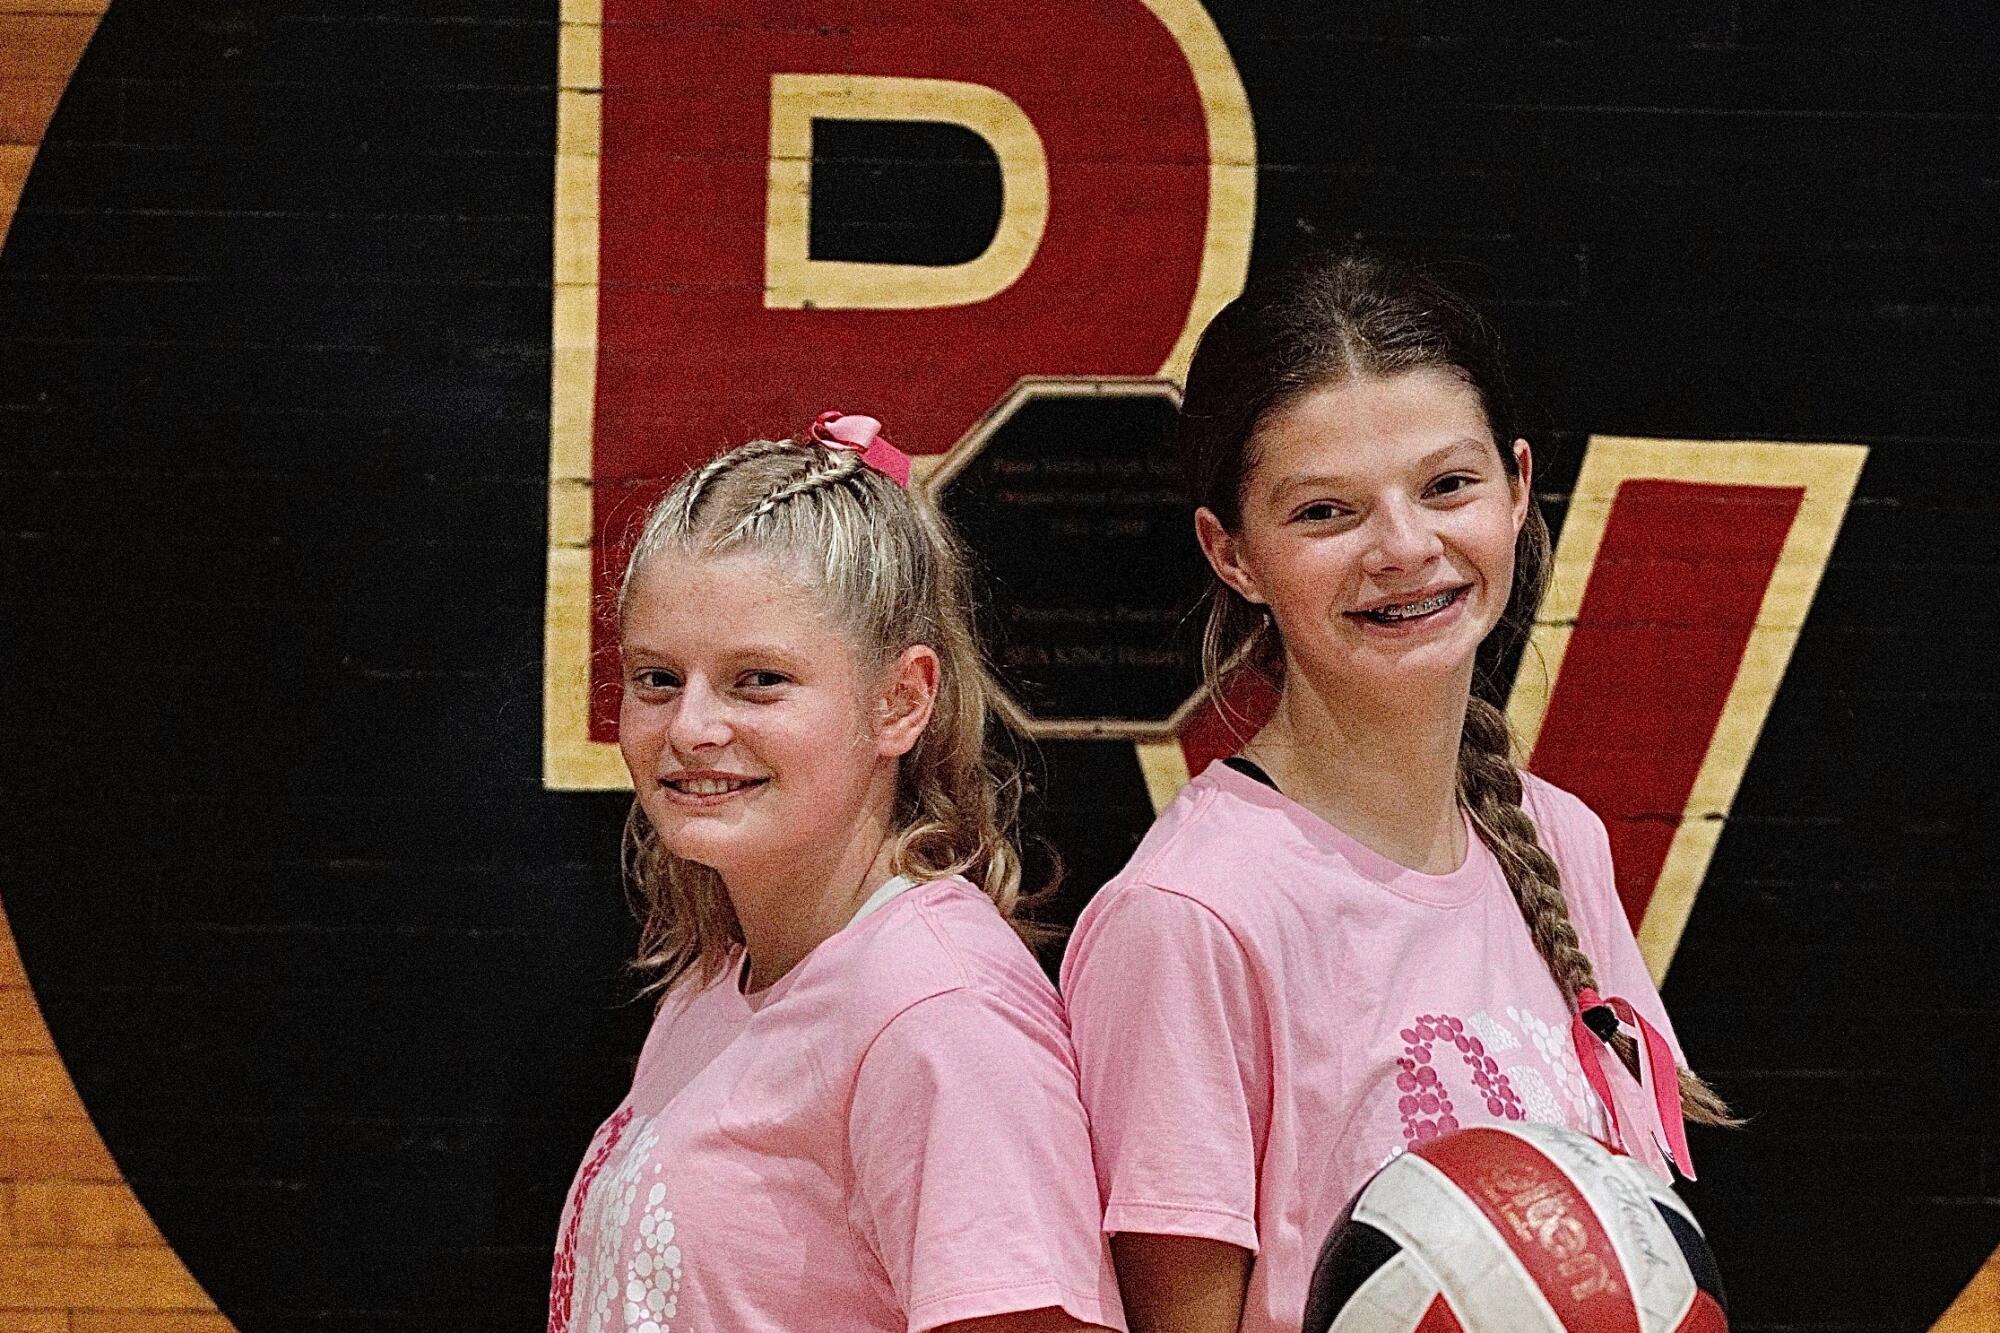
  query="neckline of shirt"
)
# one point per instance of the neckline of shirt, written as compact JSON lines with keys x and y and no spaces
{"x":1454,"y":888}
{"x":890,"y":890}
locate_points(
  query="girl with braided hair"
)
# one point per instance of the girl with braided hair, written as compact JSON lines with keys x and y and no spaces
{"x":857,"y":1106}
{"x":1368,"y":927}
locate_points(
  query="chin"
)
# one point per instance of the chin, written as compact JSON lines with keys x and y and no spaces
{"x":728,"y":863}
{"x":1423,"y":667}
{"x":1418,"y":661}
{"x":717,"y":849}
{"x":741,"y":854}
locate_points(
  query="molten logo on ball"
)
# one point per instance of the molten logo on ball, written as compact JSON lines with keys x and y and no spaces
{"x":1540,"y":1212}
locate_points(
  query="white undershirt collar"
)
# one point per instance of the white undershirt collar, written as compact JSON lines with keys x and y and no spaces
{"x":882,"y":895}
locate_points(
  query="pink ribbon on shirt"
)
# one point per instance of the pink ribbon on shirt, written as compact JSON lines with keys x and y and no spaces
{"x":862,"y":435}
{"x":1657,"y":1076}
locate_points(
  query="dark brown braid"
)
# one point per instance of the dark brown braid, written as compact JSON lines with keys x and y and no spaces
{"x":1489,"y":786}
{"x":1323,"y":319}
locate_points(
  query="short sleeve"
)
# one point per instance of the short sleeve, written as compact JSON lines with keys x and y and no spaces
{"x":971,"y":1160}
{"x":1173,"y":1050}
{"x":1577,"y":838}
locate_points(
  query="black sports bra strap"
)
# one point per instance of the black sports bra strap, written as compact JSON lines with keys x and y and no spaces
{"x":1250,"y":770}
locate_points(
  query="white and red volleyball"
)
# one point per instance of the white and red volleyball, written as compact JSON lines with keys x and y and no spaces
{"x":1517,"y":1229}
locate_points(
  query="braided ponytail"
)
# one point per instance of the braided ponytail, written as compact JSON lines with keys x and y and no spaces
{"x":1489,"y":787}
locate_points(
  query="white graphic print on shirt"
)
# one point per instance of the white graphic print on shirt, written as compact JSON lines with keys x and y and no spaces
{"x":1582,"y":1109}
{"x":644,"y":1295}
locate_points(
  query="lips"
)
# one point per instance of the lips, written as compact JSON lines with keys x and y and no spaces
{"x":1398,"y":613}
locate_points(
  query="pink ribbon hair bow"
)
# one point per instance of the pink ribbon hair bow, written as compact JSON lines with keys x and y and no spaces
{"x":862,"y":435}
{"x":1659,"y":1081}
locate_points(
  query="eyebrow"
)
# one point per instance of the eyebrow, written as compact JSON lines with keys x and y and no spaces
{"x":1334,"y":481}
{"x":766,"y":652}
{"x":752,"y":652}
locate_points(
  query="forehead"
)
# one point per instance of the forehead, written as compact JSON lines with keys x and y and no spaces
{"x":688,"y":601}
{"x":1370,"y":425}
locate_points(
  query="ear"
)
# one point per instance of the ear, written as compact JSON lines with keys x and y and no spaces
{"x":1524,"y":483}
{"x":908,"y":696}
{"x":1225,"y":554}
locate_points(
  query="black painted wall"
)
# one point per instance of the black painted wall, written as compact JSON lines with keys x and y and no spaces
{"x":340,"y":982}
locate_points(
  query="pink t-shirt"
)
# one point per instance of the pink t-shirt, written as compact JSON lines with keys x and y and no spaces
{"x":1265,"y":1011}
{"x":888,"y":1138}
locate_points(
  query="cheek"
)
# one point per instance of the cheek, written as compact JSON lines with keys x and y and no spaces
{"x":801,"y":748}
{"x":1481,"y":533}
{"x":1499,"y":536}
{"x":1487,"y":547}
{"x":829,"y":754}
{"x":1304,"y":575}
{"x":641,"y":731}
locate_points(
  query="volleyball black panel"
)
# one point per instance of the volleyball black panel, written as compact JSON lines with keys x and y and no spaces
{"x":1694,"y":1248}
{"x":1354,"y":1252}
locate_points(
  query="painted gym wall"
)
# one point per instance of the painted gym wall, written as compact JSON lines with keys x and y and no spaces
{"x":338,"y":340}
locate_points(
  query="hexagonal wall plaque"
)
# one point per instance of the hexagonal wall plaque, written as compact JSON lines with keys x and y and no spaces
{"x":1069,"y":496}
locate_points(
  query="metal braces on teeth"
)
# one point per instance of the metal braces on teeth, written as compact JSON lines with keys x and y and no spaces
{"x":1410,"y":609}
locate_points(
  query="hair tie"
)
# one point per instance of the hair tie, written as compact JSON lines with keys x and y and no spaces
{"x":1602,"y":1019}
{"x":862,"y":435}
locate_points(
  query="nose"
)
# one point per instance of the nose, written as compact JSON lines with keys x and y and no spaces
{"x":1404,"y":538}
{"x":700,"y":719}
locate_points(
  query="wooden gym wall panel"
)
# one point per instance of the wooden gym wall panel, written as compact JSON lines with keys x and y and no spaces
{"x":77,"y":1252}
{"x":40,"y":43}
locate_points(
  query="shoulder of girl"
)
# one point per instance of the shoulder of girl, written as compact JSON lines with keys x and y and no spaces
{"x":954,"y":952}
{"x":940,"y":936}
{"x":692,"y":989}
{"x":1146,"y":913}
{"x":1575,"y":836}
{"x":1195,"y":845}
{"x":1556,"y":811}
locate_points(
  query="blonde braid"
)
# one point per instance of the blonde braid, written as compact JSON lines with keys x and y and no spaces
{"x":829,"y":467}
{"x":1489,"y":786}
{"x":697,"y":485}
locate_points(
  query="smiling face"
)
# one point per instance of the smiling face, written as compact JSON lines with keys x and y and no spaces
{"x":759,"y":740}
{"x":1378,"y":525}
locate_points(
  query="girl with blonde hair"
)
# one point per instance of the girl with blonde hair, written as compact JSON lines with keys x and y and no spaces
{"x":857,"y":1106}
{"x":1369,"y":927}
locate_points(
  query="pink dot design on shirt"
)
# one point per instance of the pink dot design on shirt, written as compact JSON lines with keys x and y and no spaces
{"x":1423,"y":1101}
{"x":562,"y":1285}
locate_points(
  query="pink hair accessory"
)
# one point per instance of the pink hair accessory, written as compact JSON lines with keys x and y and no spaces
{"x":1658,"y":1078}
{"x":862,"y":435}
